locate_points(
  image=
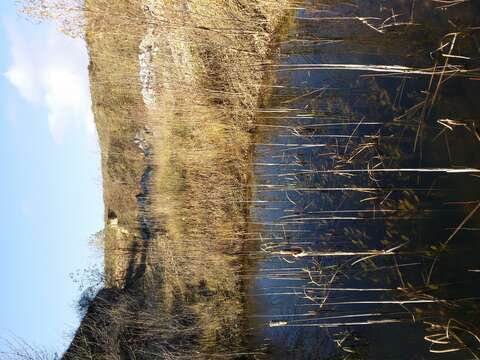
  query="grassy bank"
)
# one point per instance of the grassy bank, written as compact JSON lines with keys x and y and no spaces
{"x":204,"y":116}
{"x":186,"y":301}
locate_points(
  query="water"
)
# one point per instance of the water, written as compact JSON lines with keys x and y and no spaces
{"x":365,"y":186}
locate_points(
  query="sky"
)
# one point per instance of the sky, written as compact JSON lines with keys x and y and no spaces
{"x":50,"y":183}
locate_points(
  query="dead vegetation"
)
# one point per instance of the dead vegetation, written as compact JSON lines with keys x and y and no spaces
{"x":207,"y":67}
{"x":203,"y":72}
{"x":202,"y":120}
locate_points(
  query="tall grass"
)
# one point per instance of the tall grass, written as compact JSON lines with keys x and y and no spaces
{"x":211,"y":71}
{"x":177,"y":295}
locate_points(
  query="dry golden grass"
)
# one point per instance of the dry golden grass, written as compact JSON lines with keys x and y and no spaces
{"x":207,"y":87}
{"x":119,"y":114}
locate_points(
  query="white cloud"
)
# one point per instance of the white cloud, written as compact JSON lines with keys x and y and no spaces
{"x":51,"y":70}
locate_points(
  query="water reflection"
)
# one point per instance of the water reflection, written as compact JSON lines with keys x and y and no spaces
{"x":366,"y":186}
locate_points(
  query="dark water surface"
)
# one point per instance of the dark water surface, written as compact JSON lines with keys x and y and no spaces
{"x":366,"y":189}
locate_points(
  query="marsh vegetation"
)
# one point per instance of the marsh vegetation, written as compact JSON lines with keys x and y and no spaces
{"x":285,"y":179}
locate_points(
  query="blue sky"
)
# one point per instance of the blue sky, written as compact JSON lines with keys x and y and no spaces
{"x":50,"y":180}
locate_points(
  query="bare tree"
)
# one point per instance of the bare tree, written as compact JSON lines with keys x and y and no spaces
{"x":67,"y":14}
{"x":89,"y":281}
{"x":97,"y":241}
{"x":19,"y":349}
